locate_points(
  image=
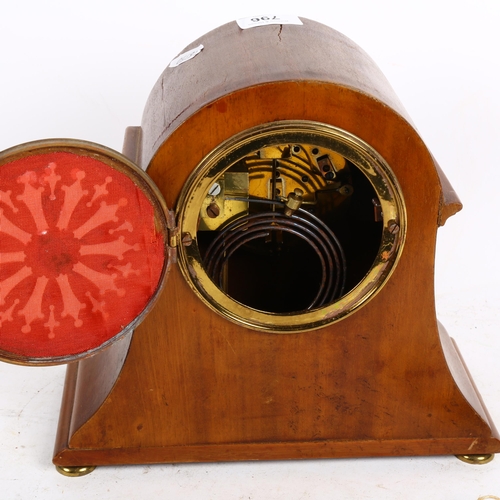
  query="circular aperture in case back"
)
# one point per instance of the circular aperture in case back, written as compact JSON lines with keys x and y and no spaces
{"x":294,"y":225}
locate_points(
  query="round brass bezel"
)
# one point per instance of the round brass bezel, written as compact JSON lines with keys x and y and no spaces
{"x":363,"y":156}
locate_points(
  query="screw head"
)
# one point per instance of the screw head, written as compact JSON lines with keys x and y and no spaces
{"x":393,"y":227}
{"x":215,"y":189}
{"x":213,"y":210}
{"x":187,"y":239}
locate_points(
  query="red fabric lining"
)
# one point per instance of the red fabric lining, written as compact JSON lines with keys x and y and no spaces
{"x":80,"y":257}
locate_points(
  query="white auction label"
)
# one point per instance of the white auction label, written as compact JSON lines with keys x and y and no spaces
{"x":252,"y":22}
{"x":186,"y":56}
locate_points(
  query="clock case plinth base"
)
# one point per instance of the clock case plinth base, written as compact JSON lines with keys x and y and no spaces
{"x":130,"y":451}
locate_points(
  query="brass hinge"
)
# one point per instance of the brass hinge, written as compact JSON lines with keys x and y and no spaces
{"x":172,"y":237}
{"x":173,"y":230}
{"x":175,"y":238}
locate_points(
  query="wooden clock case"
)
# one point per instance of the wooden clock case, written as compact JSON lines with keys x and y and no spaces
{"x":188,"y":385}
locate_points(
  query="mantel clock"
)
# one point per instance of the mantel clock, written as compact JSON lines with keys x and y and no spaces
{"x":252,"y":278}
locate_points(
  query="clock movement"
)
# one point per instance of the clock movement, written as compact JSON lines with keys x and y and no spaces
{"x":252,"y":278}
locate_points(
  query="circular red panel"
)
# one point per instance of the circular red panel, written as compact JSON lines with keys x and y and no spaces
{"x":82,"y":251}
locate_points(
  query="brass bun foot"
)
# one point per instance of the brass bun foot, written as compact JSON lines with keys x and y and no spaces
{"x":476,"y":459}
{"x":75,"y":471}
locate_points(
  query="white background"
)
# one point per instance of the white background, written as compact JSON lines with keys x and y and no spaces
{"x":84,"y":70}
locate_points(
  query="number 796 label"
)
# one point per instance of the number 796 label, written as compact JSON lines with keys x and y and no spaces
{"x":252,"y":22}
